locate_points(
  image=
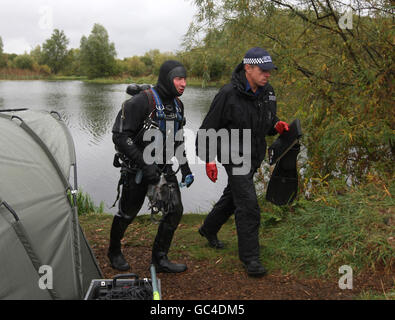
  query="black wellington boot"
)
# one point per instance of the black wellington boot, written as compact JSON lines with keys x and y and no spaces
{"x":117,"y":260}
{"x":213,"y":241}
{"x":161,"y":247}
{"x":255,"y":269}
{"x":162,"y":264}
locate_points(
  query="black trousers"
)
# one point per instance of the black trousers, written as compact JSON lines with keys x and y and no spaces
{"x":239,"y":197}
{"x":131,"y":201}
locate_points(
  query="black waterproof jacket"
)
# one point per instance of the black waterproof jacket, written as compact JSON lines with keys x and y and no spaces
{"x":235,"y":108}
{"x":134,"y":111}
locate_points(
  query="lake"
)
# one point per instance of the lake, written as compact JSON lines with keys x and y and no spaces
{"x":89,"y":110}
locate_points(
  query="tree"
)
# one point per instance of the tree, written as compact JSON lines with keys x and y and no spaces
{"x":37,"y":55}
{"x":1,"y":54}
{"x":24,"y":61}
{"x":97,"y":53}
{"x":54,"y":51}
{"x":148,"y":58}
{"x":73,"y":63}
{"x":336,"y":76}
{"x":135,"y":67}
{"x":153,"y":59}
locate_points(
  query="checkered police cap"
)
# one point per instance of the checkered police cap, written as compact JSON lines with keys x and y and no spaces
{"x":260,"y":57}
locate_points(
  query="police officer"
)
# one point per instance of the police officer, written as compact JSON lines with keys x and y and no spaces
{"x":162,"y":105}
{"x":248,"y":102}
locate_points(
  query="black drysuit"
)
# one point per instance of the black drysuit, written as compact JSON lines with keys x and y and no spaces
{"x":127,"y":125}
{"x":235,"y":108}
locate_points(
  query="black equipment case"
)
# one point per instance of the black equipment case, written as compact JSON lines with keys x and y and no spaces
{"x":122,"y":287}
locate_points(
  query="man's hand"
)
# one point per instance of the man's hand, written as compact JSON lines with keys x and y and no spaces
{"x":187,"y":176}
{"x":187,"y":180}
{"x":212,"y":171}
{"x":281,"y":126}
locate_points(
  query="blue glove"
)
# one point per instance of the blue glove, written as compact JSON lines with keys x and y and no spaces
{"x":187,"y":181}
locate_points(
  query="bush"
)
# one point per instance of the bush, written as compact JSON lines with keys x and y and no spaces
{"x":135,"y":67}
{"x":24,"y":62}
{"x":338,"y":82}
{"x":97,"y":54}
{"x":44,"y":69}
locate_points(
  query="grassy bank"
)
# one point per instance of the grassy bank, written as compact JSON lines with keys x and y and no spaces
{"x":307,"y":239}
{"x":315,"y":238}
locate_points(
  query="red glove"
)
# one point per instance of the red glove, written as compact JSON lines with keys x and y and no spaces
{"x":281,"y":126}
{"x":212,"y":171}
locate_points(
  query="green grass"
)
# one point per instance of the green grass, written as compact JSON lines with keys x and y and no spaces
{"x":369,"y":295}
{"x":85,"y":204}
{"x":111,"y":81}
{"x":316,"y":237}
{"x":187,"y":241}
{"x":66,"y":78}
{"x":310,"y":238}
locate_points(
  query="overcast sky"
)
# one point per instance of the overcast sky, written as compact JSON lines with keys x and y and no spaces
{"x":135,"y":26}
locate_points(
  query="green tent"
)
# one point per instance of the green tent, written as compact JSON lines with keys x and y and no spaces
{"x":44,"y":253}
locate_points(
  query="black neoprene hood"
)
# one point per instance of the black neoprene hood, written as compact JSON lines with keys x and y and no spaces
{"x":167,"y":72}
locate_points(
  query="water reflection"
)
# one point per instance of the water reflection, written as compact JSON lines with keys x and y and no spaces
{"x":98,"y":103}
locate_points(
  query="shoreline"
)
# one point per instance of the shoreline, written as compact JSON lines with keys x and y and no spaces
{"x":193,"y":82}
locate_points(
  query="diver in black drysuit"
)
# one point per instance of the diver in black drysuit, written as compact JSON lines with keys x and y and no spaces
{"x":129,"y":142}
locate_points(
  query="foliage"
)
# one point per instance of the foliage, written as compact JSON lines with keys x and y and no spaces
{"x":20,"y":74}
{"x":160,"y":59}
{"x":95,"y":58}
{"x":54,"y":51}
{"x":2,"y":60}
{"x":153,"y":59}
{"x":135,"y":66}
{"x":23,"y":61}
{"x":85,"y":203}
{"x":355,"y":227}
{"x":72,"y":63}
{"x":9,"y":60}
{"x":97,"y":53}
{"x":37,"y":55}
{"x":338,"y":81}
{"x":148,"y":58}
{"x":44,"y":69}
